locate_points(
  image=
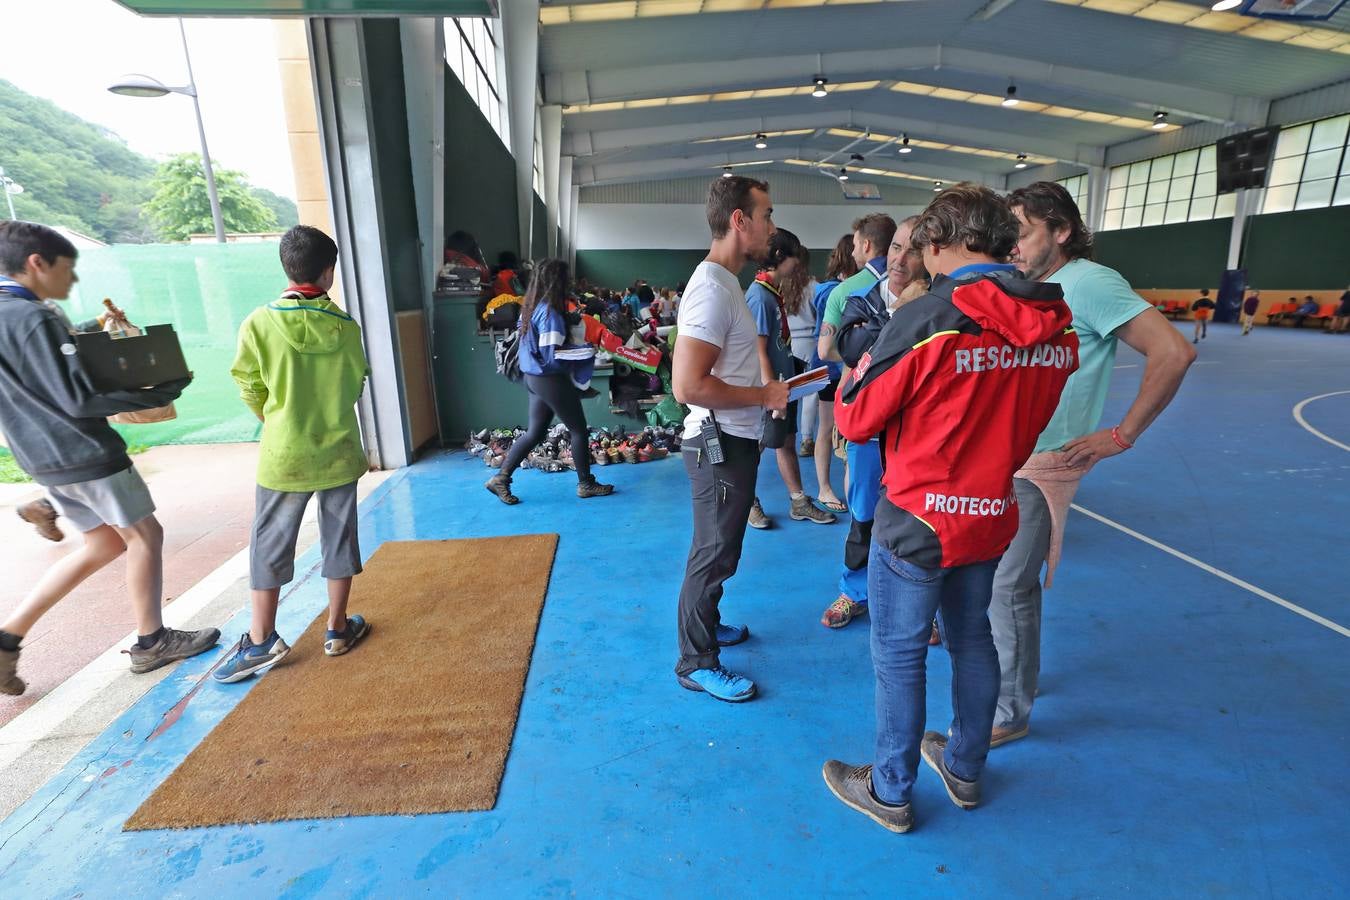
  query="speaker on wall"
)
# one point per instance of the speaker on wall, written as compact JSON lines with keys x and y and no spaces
{"x":1243,"y":159}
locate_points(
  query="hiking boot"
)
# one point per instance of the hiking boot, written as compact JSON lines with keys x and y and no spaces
{"x":757,"y":519}
{"x":807,"y":449}
{"x":248,"y":658}
{"x":965,"y":794}
{"x":841,"y":612}
{"x":804,"y":509}
{"x":42,"y":516}
{"x":853,"y":786}
{"x":500,"y":485}
{"x":10,"y":682}
{"x":337,"y":643}
{"x":172,"y":646}
{"x":720,"y":683}
{"x":592,"y":488}
{"x":1000,"y":736}
{"x":731,"y":635}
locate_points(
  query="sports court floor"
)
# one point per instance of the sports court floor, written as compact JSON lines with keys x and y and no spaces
{"x":1190,"y":738}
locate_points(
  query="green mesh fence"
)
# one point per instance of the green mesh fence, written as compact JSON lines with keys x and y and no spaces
{"x":205,"y":291}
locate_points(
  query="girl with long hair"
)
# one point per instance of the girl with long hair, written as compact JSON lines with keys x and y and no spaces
{"x":556,"y":372}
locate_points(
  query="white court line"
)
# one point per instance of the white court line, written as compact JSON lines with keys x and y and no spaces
{"x":1246,"y":586}
{"x":1298,"y":417}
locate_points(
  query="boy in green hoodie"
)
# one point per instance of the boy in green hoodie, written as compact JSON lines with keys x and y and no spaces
{"x":300,"y":368}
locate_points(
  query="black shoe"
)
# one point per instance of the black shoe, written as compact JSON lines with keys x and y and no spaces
{"x":965,"y":794}
{"x":853,"y":786}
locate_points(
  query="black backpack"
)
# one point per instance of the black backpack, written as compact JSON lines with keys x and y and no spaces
{"x":507,"y":355}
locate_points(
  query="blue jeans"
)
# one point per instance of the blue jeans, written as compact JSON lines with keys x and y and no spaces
{"x":864,"y":491}
{"x":905,"y":598}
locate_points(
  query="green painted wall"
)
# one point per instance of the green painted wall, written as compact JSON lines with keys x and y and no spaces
{"x":1304,"y":250}
{"x":388,"y":106}
{"x":661,"y":268}
{"x":480,"y":180}
{"x":1166,"y":256}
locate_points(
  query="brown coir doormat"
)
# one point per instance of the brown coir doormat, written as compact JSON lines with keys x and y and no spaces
{"x":418,"y":718}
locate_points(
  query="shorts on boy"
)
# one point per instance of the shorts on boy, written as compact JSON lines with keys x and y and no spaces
{"x":276,"y":526}
{"x":120,"y":499}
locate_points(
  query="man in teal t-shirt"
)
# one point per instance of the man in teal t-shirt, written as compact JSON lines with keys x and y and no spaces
{"x":1055,"y":246}
{"x":872,"y":236}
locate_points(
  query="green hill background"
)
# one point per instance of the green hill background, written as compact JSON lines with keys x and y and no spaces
{"x":82,"y":176}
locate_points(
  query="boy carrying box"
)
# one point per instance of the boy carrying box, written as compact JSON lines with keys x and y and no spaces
{"x":56,"y":425}
{"x":300,"y":367}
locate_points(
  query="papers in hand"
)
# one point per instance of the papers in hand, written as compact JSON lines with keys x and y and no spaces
{"x":808,"y":383}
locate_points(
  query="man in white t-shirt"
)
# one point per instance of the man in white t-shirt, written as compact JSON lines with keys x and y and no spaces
{"x":717,"y":373}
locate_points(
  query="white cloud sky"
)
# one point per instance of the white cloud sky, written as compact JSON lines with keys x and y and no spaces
{"x":69,"y":51}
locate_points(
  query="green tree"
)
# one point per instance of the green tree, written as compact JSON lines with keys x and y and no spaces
{"x":180,"y":205}
{"x":284,"y":207}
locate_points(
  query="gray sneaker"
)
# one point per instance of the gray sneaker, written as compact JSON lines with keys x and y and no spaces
{"x":804,"y":509}
{"x":10,"y":682}
{"x":965,"y":794}
{"x":172,"y":646}
{"x":853,"y":786}
{"x":757,"y":519}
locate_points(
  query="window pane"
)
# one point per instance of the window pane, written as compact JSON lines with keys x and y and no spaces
{"x":1176,"y":212}
{"x":1185,"y":164}
{"x":1223,"y":207}
{"x":1157,"y":191}
{"x":1139,"y":173}
{"x":1153,"y":213}
{"x":1131,"y":216}
{"x":1207,"y":163}
{"x":1206,"y":184}
{"x":1181,"y":189}
{"x":1201,"y":208}
{"x":1293,"y":141}
{"x":1328,"y":133}
{"x":1314,"y":194}
{"x":1342,"y":193}
{"x":1112,"y":221}
{"x":1285,"y":171}
{"x":1119,"y":177}
{"x":1162,"y":169}
{"x":1280,"y":199}
{"x":1134,"y":195}
{"x":1115,"y":198}
{"x":1321,"y":164}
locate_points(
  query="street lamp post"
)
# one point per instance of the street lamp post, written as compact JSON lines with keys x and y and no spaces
{"x":145,"y":86}
{"x":10,"y":187}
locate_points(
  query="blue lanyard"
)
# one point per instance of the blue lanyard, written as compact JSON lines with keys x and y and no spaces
{"x":981,"y":268}
{"x":10,"y":286}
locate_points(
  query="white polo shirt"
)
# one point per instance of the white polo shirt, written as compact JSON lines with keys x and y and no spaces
{"x":713,"y":309}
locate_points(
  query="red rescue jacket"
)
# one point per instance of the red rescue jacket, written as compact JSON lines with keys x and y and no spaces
{"x":959,"y":384}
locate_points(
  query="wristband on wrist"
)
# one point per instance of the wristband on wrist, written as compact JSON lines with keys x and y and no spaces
{"x":1120,"y":441}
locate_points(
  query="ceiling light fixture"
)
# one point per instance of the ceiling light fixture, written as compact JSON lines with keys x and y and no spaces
{"x":1159,"y":120}
{"x":904,"y":145}
{"x":819,"y":81}
{"x":761,"y":141}
{"x":1010,"y":98}
{"x":937,"y":187}
{"x":1021,"y":161}
{"x":726,"y":172}
{"x":1226,"y":4}
{"x":843,"y":174}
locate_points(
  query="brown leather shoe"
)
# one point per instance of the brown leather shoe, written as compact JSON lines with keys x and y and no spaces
{"x":42,"y":516}
{"x":1000,"y":736}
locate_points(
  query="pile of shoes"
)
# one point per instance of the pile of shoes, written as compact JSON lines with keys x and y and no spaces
{"x":611,"y":446}
{"x":607,"y":445}
{"x":491,"y":444}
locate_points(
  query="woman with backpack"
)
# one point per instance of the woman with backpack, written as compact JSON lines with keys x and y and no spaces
{"x":556,"y":372}
{"x":840,"y":266}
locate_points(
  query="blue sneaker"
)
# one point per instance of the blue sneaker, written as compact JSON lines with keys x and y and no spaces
{"x":251,"y":659}
{"x":721,"y":683}
{"x":337,"y":643}
{"x":730,"y":635}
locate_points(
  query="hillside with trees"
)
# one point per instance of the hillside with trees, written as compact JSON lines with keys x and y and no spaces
{"x":79,"y":175}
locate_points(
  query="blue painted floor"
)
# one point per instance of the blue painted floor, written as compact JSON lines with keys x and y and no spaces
{"x":1190,"y":738}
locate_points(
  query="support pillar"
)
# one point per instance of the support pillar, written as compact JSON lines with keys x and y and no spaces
{"x":520,"y":27}
{"x":565,"y":224}
{"x":550,"y":142}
